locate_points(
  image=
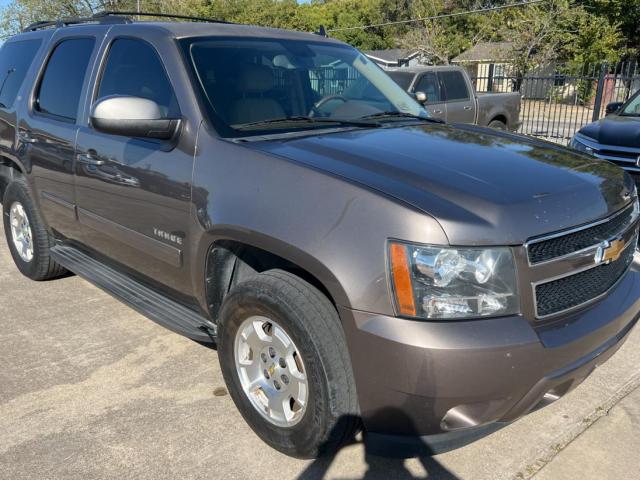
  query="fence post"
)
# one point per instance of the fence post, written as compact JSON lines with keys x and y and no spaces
{"x":599,"y":91}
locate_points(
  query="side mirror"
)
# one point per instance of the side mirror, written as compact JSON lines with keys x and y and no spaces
{"x":132,"y":117}
{"x":421,"y":97}
{"x":613,"y":107}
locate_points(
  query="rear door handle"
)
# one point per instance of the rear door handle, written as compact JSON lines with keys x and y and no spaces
{"x":89,"y":159}
{"x":25,"y":137}
{"x":438,"y":112}
{"x":467,"y":107}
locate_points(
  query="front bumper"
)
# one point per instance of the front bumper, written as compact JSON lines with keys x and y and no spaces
{"x":418,"y":378}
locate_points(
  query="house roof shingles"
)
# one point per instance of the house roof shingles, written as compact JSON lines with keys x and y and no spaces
{"x":486,"y":52}
{"x":391,"y":55}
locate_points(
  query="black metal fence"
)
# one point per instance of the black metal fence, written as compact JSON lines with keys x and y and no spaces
{"x":558,"y":100}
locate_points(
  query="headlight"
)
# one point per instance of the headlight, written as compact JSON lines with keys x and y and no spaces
{"x":450,"y":283}
{"x":579,"y":146}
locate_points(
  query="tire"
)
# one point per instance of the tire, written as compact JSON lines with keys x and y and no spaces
{"x":40,"y":265}
{"x":497,"y":124}
{"x":309,"y":319}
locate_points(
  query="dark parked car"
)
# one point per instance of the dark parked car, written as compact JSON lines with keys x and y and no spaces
{"x":358,"y":263}
{"x":616,"y":137}
{"x":448,"y":93}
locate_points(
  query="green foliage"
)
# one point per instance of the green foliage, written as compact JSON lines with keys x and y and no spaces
{"x":589,"y":31}
{"x":625,"y":14}
{"x":559,"y":30}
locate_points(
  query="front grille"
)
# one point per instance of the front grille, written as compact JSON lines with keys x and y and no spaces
{"x":619,"y":154}
{"x":573,"y":242}
{"x":570,"y":292}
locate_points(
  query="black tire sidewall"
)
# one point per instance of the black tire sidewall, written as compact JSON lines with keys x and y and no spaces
{"x":17,"y":192}
{"x":303,"y":439}
{"x":497,"y":124}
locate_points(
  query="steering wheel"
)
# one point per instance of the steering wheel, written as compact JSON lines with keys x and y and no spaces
{"x":315,"y":109}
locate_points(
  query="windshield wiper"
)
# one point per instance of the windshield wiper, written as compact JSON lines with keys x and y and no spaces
{"x":304,"y":120}
{"x":401,"y":115}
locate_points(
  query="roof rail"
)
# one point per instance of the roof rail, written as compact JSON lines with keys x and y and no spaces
{"x":63,"y":22}
{"x":109,"y":17}
{"x":160,"y":15}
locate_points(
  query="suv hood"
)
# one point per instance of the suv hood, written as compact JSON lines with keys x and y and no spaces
{"x":615,"y":130}
{"x":484,"y":187}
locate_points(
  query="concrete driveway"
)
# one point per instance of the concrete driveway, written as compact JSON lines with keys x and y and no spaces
{"x":90,"y":389}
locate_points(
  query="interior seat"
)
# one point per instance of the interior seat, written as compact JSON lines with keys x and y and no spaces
{"x":255,"y":82}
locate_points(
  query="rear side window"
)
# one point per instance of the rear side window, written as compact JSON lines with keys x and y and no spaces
{"x":454,"y":85}
{"x":134,"y":69}
{"x":15,"y":60}
{"x":61,"y":85}
{"x":428,"y":84}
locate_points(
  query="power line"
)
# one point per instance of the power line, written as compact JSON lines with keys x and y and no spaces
{"x":435,"y":17}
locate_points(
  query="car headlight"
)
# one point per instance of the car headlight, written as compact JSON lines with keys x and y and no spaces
{"x":435,"y":282}
{"x":579,"y":146}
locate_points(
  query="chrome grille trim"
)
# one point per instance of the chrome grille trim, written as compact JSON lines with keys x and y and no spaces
{"x":563,"y":233}
{"x":628,"y":244}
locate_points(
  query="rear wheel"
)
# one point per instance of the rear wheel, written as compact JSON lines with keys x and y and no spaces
{"x":285,"y":361}
{"x":497,"y":124}
{"x":28,"y":240}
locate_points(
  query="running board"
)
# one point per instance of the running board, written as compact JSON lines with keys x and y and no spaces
{"x":141,"y":298}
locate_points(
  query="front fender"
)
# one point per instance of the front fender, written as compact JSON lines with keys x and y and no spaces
{"x":335,"y":230}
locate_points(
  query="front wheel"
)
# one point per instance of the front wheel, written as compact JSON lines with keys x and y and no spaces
{"x":285,"y":361}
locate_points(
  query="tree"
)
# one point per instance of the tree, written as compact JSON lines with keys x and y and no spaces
{"x":623,"y":13}
{"x":558,"y":30}
{"x":441,"y":39}
{"x":20,"y":13}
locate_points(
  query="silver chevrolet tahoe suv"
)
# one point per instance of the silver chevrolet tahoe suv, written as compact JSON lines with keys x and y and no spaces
{"x":359,"y":264}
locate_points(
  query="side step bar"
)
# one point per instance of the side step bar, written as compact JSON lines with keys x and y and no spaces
{"x":141,"y":298}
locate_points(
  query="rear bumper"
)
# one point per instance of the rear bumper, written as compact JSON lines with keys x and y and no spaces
{"x":419,"y":378}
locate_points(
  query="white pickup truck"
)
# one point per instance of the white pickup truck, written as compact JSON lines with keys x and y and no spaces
{"x":448,"y":94}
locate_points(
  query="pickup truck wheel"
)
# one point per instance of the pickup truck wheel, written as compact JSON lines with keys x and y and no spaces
{"x":28,"y":240}
{"x":497,"y":124}
{"x":284,"y":358}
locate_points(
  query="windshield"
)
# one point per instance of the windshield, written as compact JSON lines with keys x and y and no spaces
{"x":633,"y":107}
{"x":254,"y":86}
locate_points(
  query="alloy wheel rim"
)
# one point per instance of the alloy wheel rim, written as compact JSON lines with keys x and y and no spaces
{"x":271,"y":371}
{"x":21,"y":233}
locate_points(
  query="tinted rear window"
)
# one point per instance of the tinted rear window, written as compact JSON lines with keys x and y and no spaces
{"x":454,"y":85}
{"x":15,"y":60}
{"x":61,"y":85}
{"x":403,"y":79}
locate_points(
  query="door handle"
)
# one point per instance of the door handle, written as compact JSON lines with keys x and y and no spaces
{"x":25,"y":137}
{"x":467,"y":107}
{"x":89,"y":159}
{"x":438,"y":112}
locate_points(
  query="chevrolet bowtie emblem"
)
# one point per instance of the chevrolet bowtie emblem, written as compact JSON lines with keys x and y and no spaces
{"x":609,"y":251}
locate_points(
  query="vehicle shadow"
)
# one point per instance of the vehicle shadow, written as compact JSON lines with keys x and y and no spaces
{"x":383,"y":462}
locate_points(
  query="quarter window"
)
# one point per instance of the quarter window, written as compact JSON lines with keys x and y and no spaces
{"x":61,"y":85}
{"x":134,"y":69}
{"x":454,"y":86}
{"x":15,"y":60}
